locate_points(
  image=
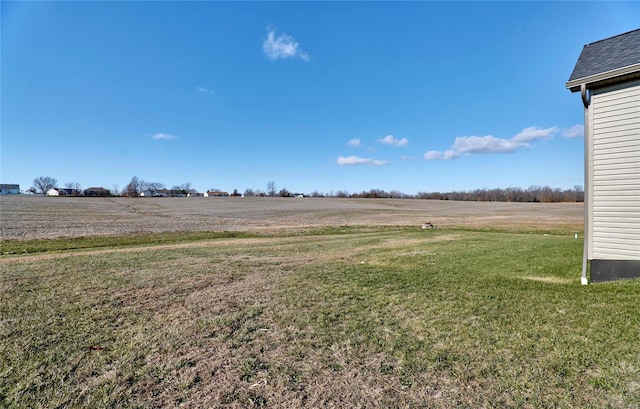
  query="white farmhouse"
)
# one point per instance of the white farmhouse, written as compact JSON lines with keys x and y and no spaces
{"x":607,"y":75}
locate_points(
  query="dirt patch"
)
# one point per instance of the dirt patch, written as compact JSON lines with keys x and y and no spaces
{"x":552,"y":280}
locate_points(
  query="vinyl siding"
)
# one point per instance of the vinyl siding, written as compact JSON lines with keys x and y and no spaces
{"x":615,"y":173}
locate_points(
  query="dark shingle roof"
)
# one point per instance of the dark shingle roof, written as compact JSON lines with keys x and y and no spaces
{"x":609,"y":54}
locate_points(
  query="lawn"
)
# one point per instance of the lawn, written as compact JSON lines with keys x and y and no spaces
{"x":324,"y":317}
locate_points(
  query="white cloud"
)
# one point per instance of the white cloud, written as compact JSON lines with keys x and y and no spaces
{"x":485,"y":144}
{"x":204,"y":90}
{"x":163,"y":136}
{"x":354,"y":142}
{"x":438,"y":155}
{"x":355,"y":160}
{"x":282,"y":46}
{"x":451,"y":154}
{"x":533,"y":133}
{"x":405,"y":157}
{"x":433,"y":155}
{"x":467,"y":145}
{"x":576,"y":131}
{"x":392,"y":140}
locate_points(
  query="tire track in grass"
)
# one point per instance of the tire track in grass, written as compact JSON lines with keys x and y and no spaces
{"x":176,"y":246}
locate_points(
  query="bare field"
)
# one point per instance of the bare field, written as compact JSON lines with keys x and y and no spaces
{"x":27,"y":217}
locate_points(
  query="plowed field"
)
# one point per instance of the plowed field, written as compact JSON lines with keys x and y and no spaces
{"x":26,"y":217}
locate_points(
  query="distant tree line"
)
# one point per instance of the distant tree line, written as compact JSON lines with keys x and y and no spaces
{"x":541,"y":194}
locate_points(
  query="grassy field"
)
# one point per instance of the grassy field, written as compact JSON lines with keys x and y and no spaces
{"x":349,"y":316}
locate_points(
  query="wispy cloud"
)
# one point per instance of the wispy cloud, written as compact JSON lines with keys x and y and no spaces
{"x":204,"y":90}
{"x":282,"y":46}
{"x":354,"y":143}
{"x":467,"y":145}
{"x":485,"y":144}
{"x":576,"y":131}
{"x":438,"y":155}
{"x":355,"y":160}
{"x":163,"y":136}
{"x":533,"y":133}
{"x":392,"y":140}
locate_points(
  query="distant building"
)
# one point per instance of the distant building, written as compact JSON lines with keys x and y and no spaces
{"x":97,"y":192}
{"x":163,"y":193}
{"x":68,"y":192}
{"x":216,"y":193}
{"x":53,"y":192}
{"x":171,"y":193}
{"x":9,"y":189}
{"x":607,"y":75}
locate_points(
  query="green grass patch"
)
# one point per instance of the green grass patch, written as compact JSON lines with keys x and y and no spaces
{"x":10,"y":247}
{"x":357,"y":317}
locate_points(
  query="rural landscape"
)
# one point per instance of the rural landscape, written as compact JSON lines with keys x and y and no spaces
{"x":305,"y":303}
{"x":320,"y":204}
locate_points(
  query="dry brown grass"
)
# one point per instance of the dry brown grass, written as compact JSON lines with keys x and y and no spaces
{"x":392,"y":317}
{"x":310,"y":314}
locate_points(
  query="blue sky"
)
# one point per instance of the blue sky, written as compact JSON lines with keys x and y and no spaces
{"x":327,"y":96}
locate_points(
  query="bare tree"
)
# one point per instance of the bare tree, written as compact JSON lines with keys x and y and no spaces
{"x":115,"y":190}
{"x":249,"y":192}
{"x":153,"y":187}
{"x":284,"y":192}
{"x":75,"y":187}
{"x":271,"y":188}
{"x":186,"y":188}
{"x":134,"y":187}
{"x":44,"y":184}
{"x":578,"y":193}
{"x":534,"y":193}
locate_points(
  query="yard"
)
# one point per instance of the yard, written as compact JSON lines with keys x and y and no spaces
{"x":304,"y":303}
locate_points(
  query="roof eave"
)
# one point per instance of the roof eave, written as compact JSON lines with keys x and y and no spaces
{"x":629,"y":71}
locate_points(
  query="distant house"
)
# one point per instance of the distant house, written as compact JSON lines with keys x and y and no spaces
{"x":171,"y":193}
{"x":9,"y":189}
{"x":53,"y":192}
{"x":163,"y":193}
{"x":607,"y":75}
{"x":216,"y":193}
{"x":97,"y":192}
{"x":68,"y":192}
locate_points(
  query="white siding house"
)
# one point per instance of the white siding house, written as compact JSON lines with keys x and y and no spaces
{"x":608,"y":76}
{"x":615,"y":165}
